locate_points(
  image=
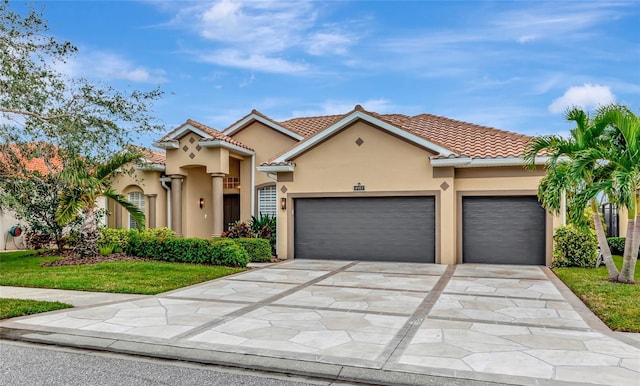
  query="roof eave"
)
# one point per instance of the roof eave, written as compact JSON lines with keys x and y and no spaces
{"x":466,"y":162}
{"x":275,"y":168}
{"x":166,"y":145}
{"x":151,"y":167}
{"x":226,"y":145}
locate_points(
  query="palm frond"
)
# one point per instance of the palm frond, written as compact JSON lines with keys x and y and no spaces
{"x":133,"y":210}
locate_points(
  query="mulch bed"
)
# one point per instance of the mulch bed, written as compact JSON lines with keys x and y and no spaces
{"x":70,"y":258}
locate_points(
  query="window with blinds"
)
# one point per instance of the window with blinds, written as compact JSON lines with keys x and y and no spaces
{"x":137,"y":199}
{"x":267,"y":201}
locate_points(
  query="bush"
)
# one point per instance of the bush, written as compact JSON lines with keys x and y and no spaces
{"x":238,"y":230}
{"x":259,"y":250}
{"x":574,"y":248}
{"x":106,"y":250}
{"x":616,"y":244}
{"x":192,"y":250}
{"x":264,"y":227}
{"x":118,"y":238}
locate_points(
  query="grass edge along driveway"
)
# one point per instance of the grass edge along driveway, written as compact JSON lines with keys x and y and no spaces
{"x":22,"y":269}
{"x":616,"y":304}
{"x":11,"y":308}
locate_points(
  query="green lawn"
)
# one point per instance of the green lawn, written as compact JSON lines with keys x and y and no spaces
{"x":22,"y":269}
{"x":618,"y":305}
{"x":11,"y":308}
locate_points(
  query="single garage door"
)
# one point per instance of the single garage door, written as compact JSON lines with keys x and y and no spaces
{"x":503,"y":230}
{"x":365,"y":228}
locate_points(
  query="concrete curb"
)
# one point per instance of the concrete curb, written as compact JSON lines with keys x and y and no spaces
{"x":324,"y":371}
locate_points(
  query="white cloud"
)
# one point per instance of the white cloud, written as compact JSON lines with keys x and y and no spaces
{"x":109,"y":66}
{"x":258,"y":62}
{"x":585,"y":97}
{"x":267,"y":36}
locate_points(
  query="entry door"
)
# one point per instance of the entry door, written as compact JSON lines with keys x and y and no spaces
{"x":231,"y":209}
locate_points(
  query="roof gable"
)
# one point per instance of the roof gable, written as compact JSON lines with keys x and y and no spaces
{"x":209,"y":138}
{"x":359,"y":114}
{"x":255,"y":115}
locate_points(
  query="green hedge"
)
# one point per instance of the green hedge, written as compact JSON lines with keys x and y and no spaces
{"x":616,"y":244}
{"x":259,"y":250}
{"x":574,"y":248}
{"x":118,"y":238}
{"x":191,"y":250}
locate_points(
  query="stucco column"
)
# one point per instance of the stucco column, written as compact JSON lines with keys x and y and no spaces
{"x":218,"y":204}
{"x":118,"y":209}
{"x":152,"y":210}
{"x":176,"y":204}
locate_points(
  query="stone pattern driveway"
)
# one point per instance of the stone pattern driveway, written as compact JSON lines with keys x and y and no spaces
{"x":499,"y":323}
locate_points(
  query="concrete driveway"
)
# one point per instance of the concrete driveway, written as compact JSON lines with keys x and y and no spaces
{"x":366,"y":321}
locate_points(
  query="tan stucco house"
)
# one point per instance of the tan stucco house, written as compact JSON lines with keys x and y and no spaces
{"x":360,"y":185}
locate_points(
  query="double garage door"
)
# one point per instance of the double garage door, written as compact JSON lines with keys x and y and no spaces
{"x":365,"y":228}
{"x":495,"y":230}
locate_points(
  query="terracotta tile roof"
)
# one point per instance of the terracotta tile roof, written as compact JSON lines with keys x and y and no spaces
{"x":213,"y":134}
{"x":462,"y":138}
{"x":33,"y":162}
{"x":309,"y":126}
{"x":152,"y":156}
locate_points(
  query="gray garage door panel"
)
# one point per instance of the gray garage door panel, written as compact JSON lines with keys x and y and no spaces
{"x":365,"y":228}
{"x":503,"y":230}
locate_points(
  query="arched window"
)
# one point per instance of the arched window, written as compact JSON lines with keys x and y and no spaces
{"x":137,"y":199}
{"x":267,"y":201}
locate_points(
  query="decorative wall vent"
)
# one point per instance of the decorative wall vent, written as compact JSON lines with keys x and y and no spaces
{"x":359,"y":187}
{"x":359,"y":141}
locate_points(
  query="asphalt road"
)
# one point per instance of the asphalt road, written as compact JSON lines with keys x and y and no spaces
{"x":31,"y":364}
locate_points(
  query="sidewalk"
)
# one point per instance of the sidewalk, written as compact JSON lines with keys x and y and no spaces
{"x":75,"y":298}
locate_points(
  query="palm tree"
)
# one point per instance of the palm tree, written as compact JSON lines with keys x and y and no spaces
{"x":86,"y":183}
{"x":563,"y":175}
{"x":621,"y":163}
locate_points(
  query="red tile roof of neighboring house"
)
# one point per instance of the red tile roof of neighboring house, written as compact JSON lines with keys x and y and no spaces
{"x":213,"y":133}
{"x":33,"y":162}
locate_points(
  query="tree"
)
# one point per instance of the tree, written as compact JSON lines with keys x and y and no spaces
{"x":84,"y":184}
{"x":601,"y":159}
{"x":73,"y":114}
{"x":86,"y":122}
{"x":619,"y":167}
{"x":562,"y":175}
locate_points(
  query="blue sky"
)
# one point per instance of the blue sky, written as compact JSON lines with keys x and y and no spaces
{"x":511,"y":65}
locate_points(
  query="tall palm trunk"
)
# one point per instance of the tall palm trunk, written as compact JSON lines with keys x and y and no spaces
{"x":631,"y":246}
{"x":88,"y":245}
{"x":602,"y":243}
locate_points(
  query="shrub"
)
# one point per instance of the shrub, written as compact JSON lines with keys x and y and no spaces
{"x":192,"y":250}
{"x":574,"y":248}
{"x":616,"y":244}
{"x":238,"y":230}
{"x":118,"y":238}
{"x":259,"y":250}
{"x":106,"y":250}
{"x":264,"y":227}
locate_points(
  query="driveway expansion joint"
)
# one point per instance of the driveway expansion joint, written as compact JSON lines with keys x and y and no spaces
{"x":252,"y":307}
{"x":404,"y":336}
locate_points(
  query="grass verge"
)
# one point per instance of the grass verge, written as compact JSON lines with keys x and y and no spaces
{"x":616,"y":304}
{"x":11,"y":308}
{"x":22,"y":269}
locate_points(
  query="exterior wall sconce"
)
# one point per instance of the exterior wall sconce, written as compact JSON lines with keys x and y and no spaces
{"x":283,"y":203}
{"x":201,"y":202}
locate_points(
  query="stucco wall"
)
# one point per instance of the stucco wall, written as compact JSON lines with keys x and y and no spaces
{"x":216,"y":160}
{"x":197,"y":222}
{"x":147,"y":182}
{"x":383,"y":163}
{"x":266,"y":142}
